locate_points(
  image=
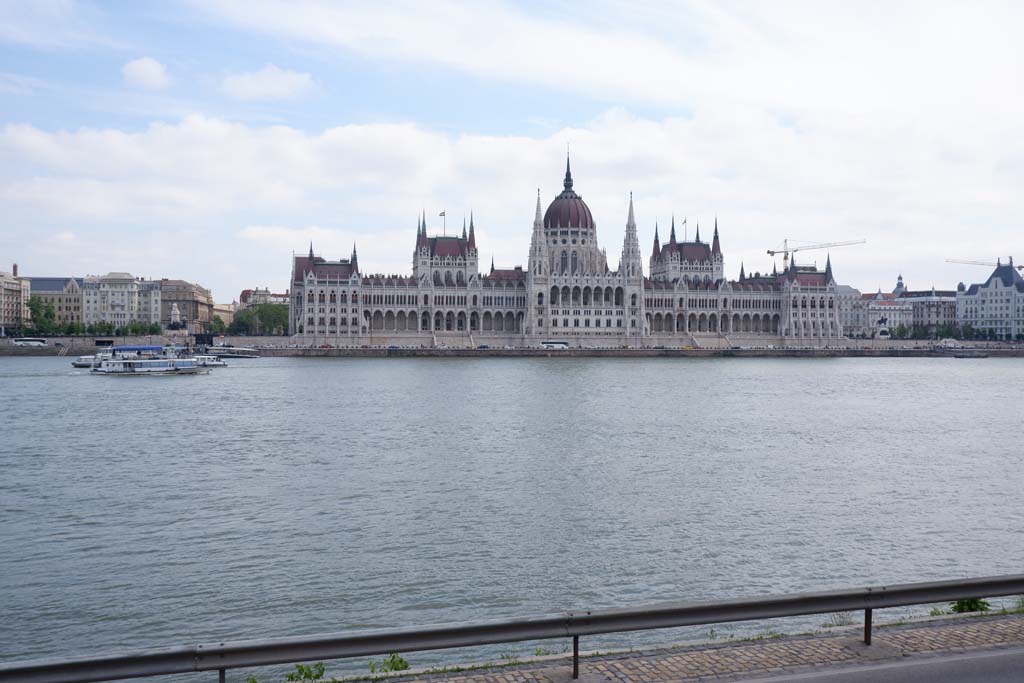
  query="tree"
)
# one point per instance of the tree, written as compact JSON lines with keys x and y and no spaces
{"x":900,"y":332}
{"x":44,"y":318}
{"x":217,"y":325}
{"x":261,"y":319}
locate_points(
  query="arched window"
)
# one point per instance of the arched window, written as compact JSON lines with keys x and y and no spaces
{"x":575,"y":263}
{"x":565,"y":261}
{"x":632,"y":300}
{"x":474,"y":299}
{"x":540,"y":298}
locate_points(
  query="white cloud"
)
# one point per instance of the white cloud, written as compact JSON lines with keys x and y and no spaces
{"x":269,"y":83}
{"x":910,"y":57}
{"x":244,"y":192}
{"x":145,"y":73}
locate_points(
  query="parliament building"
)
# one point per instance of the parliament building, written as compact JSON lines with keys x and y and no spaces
{"x":566,"y":292}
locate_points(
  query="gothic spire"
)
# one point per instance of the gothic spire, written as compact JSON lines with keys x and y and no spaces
{"x":463,"y":227}
{"x":567,"y":183}
{"x":492,"y":264}
{"x":472,"y":233}
{"x":355,"y":259}
{"x":742,"y":275}
{"x":311,"y":249}
{"x":537,"y":215}
{"x":630,"y":220}
{"x":716,"y":248}
{"x":657,"y":245}
{"x":672,"y":235}
{"x":828,"y":269}
{"x":698,"y":232}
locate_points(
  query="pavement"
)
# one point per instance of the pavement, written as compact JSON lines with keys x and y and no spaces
{"x":982,"y":648}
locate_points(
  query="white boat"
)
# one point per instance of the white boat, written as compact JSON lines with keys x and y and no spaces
{"x":141,"y":361}
{"x":233,"y":352}
{"x":83,"y":362}
{"x":210,"y":362}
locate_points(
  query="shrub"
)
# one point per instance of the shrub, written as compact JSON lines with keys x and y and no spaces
{"x":969,"y":605}
{"x":393,"y":662}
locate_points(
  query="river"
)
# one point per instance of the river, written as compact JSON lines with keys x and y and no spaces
{"x":287,"y":496}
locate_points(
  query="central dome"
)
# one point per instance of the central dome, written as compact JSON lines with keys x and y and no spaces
{"x":568,"y":210}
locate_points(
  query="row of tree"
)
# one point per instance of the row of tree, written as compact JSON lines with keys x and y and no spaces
{"x":261,"y":319}
{"x":948,"y":332}
{"x":44,"y":323}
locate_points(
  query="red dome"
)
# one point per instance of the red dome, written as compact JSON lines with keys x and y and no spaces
{"x":568,"y":210}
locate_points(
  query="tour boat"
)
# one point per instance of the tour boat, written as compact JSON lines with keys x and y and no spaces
{"x":83,"y":362}
{"x":233,"y":352}
{"x":210,"y":362}
{"x":140,"y":361}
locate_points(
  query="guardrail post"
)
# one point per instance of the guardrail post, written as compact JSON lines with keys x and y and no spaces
{"x":221,"y":677}
{"x":575,"y":656}
{"x":867,"y":626}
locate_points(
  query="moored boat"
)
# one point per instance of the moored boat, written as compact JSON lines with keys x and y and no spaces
{"x":210,"y":362}
{"x":233,"y":352}
{"x":83,"y":362}
{"x":140,"y":361}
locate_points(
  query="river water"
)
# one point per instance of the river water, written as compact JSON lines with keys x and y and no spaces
{"x":288,"y":496}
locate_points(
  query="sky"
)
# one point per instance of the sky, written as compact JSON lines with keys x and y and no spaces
{"x":210,"y":139}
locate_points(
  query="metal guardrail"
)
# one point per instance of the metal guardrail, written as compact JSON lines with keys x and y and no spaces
{"x":250,"y":653}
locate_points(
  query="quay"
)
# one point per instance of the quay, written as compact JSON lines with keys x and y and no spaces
{"x":426,"y":352}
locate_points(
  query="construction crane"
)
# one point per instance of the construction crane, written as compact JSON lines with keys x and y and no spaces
{"x":787,"y":250}
{"x":990,"y":264}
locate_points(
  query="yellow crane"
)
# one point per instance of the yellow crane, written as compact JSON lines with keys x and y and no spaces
{"x":998,"y":262}
{"x":787,"y":250}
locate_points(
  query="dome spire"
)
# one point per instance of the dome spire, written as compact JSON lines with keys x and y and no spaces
{"x":567,"y":183}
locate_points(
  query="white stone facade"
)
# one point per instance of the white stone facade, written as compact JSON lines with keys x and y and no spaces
{"x":996,"y":305}
{"x":119,"y":299}
{"x":567,"y":291}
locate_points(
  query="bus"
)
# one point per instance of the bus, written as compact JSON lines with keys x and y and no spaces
{"x":29,"y":341}
{"x":554,"y":344}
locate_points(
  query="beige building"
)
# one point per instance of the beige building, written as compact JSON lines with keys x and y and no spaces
{"x":119,"y":299}
{"x":225,"y":311}
{"x":63,"y":293}
{"x":14,"y":295}
{"x":255,"y":297}
{"x":186,"y":303}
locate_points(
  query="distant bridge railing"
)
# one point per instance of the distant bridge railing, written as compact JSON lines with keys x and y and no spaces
{"x":222,"y":656}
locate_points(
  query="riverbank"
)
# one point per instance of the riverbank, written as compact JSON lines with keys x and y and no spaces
{"x":770,"y":654}
{"x":284,"y":352}
{"x":627,"y":353}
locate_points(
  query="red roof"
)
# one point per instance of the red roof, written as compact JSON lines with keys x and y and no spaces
{"x":568,"y":210}
{"x":453,"y":247}
{"x":689,"y":251}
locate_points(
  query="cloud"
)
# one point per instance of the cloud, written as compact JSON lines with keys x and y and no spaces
{"x":145,"y":73}
{"x":15,"y":84}
{"x":269,"y":83}
{"x":48,"y":24}
{"x":826,"y":57}
{"x":255,"y":194}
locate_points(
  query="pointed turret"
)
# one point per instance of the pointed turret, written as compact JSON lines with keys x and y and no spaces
{"x":828,"y":269}
{"x":630,"y":263}
{"x":492,"y":264}
{"x":775,"y":270}
{"x":716,"y":248}
{"x":311,"y":249}
{"x":742,"y":275}
{"x":355,"y":259}
{"x":697,"y":239}
{"x":657,"y":245}
{"x":567,"y":183}
{"x":537,"y":220}
{"x":672,"y":235}
{"x":464,"y":228}
{"x":472,"y":234}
